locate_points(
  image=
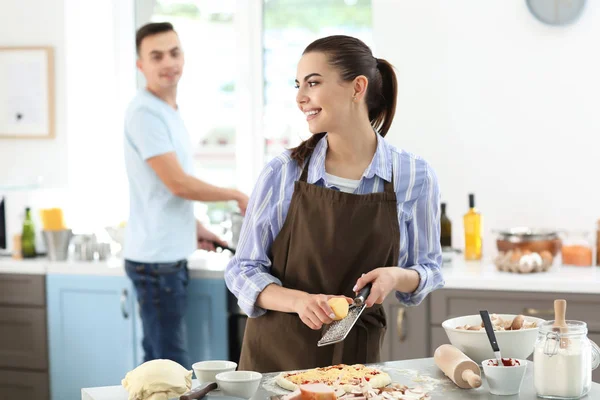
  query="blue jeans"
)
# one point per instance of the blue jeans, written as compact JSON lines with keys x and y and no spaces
{"x":161,"y":290}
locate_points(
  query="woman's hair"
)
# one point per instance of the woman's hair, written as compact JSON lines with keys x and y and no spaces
{"x":352,"y":58}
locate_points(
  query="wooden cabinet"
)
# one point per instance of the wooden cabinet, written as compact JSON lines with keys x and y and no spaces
{"x":23,"y":339}
{"x":407,"y":334}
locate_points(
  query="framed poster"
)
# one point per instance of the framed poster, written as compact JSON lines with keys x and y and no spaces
{"x":26,"y":92}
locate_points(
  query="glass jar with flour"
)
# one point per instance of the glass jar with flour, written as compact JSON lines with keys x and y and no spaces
{"x":563,"y":361}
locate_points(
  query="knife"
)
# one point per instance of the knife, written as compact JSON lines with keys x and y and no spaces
{"x":198,"y":392}
{"x":220,"y":246}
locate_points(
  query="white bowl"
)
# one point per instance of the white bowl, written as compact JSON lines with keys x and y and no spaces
{"x":242,"y":384}
{"x":504,"y":381}
{"x":476,"y":345}
{"x":206,"y":371}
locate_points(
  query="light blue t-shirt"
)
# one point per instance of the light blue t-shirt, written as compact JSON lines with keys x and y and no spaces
{"x":161,"y":226}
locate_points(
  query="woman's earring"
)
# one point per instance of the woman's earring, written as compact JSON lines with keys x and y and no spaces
{"x":354,"y":98}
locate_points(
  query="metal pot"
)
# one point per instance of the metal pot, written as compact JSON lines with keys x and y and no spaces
{"x":531,"y":239}
{"x":236,"y":227}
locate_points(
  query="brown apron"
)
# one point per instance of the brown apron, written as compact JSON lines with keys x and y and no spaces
{"x":329,"y":239}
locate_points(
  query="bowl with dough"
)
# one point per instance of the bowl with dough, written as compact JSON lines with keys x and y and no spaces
{"x":243,"y":384}
{"x":516,"y":335}
{"x":206,"y":371}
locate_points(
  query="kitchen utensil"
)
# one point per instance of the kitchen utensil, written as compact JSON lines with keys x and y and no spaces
{"x":476,"y":345}
{"x":463,"y":371}
{"x":242,"y":384}
{"x":57,"y":243}
{"x":206,"y":371}
{"x":502,"y":380}
{"x":338,"y":330}
{"x":560,"y":325}
{"x":237,"y":220}
{"x":564,"y":373}
{"x":489,"y":329}
{"x":223,"y":248}
{"x":198,"y":392}
{"x":526,"y":238}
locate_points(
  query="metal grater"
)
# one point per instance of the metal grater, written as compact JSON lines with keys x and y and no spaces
{"x":338,"y":330}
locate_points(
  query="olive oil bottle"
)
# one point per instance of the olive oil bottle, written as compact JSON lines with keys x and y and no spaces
{"x":472,"y":225}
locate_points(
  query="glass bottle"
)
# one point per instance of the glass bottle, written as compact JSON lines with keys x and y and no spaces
{"x":472,"y":225}
{"x":446,"y":229}
{"x":28,"y":236}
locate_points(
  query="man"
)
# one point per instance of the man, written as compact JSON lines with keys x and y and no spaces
{"x":162,"y":231}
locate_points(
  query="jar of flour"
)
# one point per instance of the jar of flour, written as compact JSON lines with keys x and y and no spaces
{"x":563,"y":361}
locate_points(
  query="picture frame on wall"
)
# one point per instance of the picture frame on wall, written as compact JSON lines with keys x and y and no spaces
{"x":27,"y":109}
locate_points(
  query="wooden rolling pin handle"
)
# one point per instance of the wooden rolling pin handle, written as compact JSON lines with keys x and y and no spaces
{"x":471,"y":378}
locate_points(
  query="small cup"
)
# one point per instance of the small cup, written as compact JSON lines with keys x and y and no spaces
{"x":504,"y":381}
{"x":243,"y":384}
{"x":206,"y":371}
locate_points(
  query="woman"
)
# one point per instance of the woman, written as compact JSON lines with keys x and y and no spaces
{"x":342,"y":209}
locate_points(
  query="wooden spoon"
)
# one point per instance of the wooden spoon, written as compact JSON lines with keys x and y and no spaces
{"x":560,"y":309}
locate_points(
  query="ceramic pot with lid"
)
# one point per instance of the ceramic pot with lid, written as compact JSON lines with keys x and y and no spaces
{"x":528,"y":239}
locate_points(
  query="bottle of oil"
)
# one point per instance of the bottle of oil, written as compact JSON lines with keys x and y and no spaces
{"x":446,"y":229}
{"x":472,"y":224}
{"x":28,"y":236}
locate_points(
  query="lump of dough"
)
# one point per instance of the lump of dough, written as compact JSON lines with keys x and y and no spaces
{"x":157,"y":380}
{"x":339,"y":305}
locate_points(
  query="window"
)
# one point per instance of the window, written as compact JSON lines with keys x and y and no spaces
{"x":237,"y":91}
{"x":207,"y":90}
{"x":289,"y":26}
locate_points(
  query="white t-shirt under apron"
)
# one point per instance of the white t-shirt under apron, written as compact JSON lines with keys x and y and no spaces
{"x":344,"y":184}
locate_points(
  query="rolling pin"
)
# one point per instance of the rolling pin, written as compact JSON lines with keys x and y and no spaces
{"x":463,"y":371}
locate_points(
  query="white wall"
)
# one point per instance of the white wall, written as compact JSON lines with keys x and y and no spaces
{"x":36,"y":23}
{"x":82,"y":168}
{"x":501,"y":105}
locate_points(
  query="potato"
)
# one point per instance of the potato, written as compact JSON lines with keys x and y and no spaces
{"x":339,"y":305}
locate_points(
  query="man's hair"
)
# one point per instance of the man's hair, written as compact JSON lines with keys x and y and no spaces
{"x":150,"y":29}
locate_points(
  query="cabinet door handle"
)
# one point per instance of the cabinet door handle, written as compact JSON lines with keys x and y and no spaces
{"x":536,"y":311}
{"x":400,"y":324}
{"x":124,"y":304}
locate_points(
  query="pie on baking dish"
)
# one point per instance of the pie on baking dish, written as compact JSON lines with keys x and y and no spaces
{"x":347,"y":377}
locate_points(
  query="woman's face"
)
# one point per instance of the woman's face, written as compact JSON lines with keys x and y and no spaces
{"x":324,"y":99}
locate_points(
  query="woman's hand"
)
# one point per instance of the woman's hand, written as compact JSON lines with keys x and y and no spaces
{"x":384,"y":280}
{"x":314,"y":311}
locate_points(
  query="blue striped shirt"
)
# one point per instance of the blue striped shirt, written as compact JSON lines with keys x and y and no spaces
{"x":415,"y":183}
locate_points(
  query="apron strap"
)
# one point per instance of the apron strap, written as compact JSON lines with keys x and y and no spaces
{"x":304,"y":175}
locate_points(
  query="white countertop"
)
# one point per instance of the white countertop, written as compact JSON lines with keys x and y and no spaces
{"x":477,"y":275}
{"x":459,"y":275}
{"x":201,"y":265}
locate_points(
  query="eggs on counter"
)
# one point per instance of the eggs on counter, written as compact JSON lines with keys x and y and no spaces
{"x":524,"y":261}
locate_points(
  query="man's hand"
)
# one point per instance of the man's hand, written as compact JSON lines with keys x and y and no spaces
{"x":242,"y":201}
{"x":205,"y":238}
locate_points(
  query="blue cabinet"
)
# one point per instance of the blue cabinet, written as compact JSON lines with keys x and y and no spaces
{"x":94,"y":329}
{"x":91,"y":332}
{"x":206,"y":320}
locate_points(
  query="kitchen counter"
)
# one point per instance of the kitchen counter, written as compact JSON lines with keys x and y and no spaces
{"x":420,"y":372}
{"x":458,"y":275}
{"x":202,"y":265}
